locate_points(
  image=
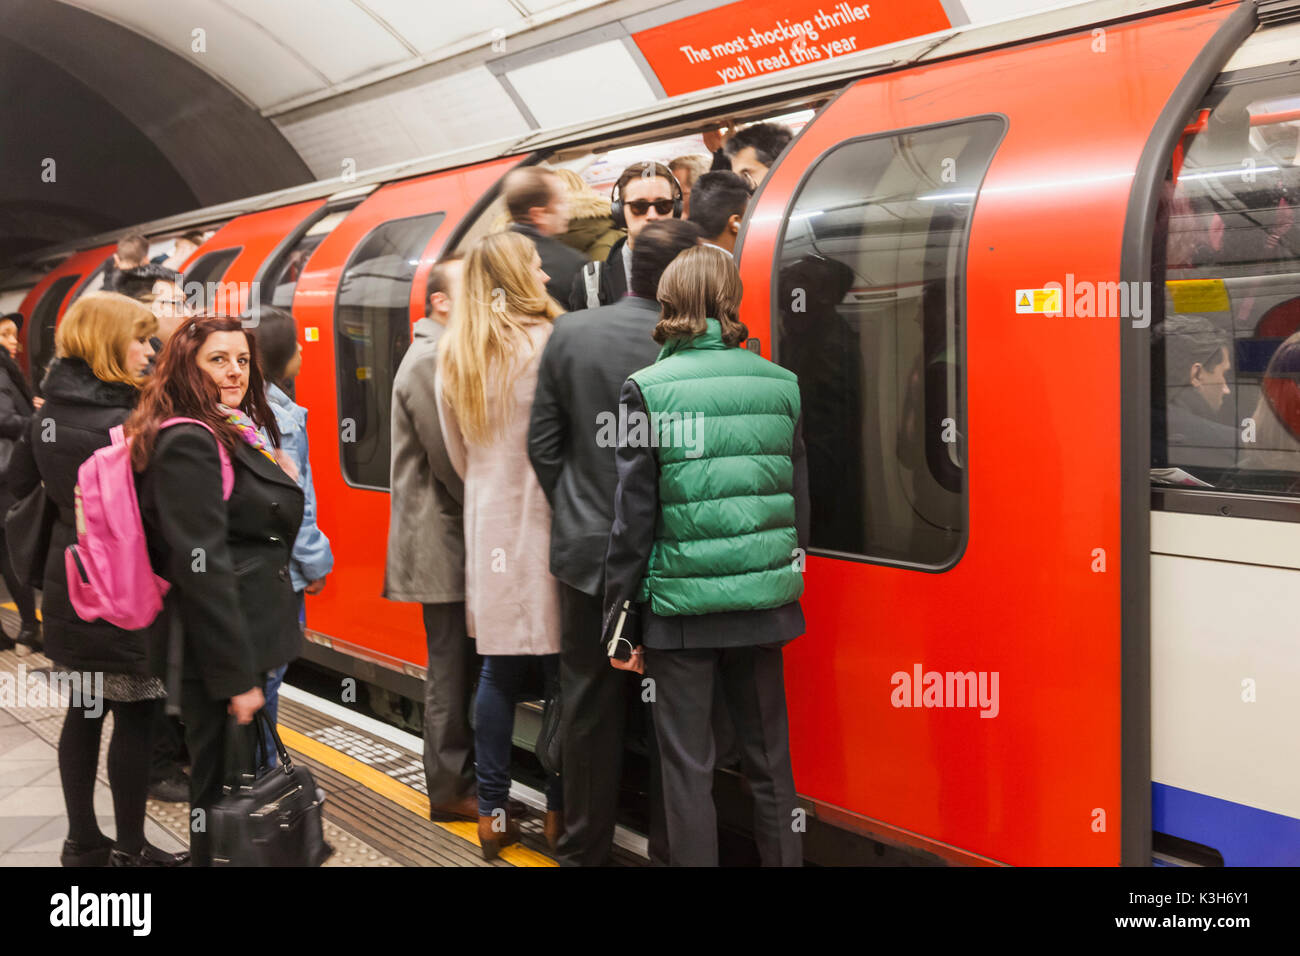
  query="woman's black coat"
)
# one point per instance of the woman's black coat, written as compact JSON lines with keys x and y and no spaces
{"x":227,"y":561}
{"x":79,"y":410}
{"x":15,"y":416}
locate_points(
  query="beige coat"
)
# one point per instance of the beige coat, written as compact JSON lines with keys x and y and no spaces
{"x":512,"y":602}
{"x":426,"y":550}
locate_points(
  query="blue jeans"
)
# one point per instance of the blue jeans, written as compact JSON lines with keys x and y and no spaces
{"x":274,"y":679}
{"x":272,"y":694}
{"x":501,"y":684}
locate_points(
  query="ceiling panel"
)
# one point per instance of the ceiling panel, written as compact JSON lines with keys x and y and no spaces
{"x":453,"y":21}
{"x":247,"y":60}
{"x":337,"y":37}
{"x":456,"y":111}
{"x":595,"y":81}
{"x":983,"y":11}
{"x":537,"y":6}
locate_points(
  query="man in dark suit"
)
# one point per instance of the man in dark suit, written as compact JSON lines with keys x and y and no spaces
{"x":587,"y":359}
{"x":539,"y":209}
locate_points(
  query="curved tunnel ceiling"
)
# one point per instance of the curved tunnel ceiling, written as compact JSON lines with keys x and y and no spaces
{"x":134,"y":131}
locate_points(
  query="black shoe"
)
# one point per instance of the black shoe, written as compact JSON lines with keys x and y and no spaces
{"x":149,"y":856}
{"x":174,"y":788}
{"x":74,"y":854}
{"x":29,"y":637}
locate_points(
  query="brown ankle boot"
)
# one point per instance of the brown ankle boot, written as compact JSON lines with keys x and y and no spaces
{"x":553,"y":828}
{"x":490,"y":836}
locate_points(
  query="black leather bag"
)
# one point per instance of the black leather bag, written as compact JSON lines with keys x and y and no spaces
{"x":28,"y":525}
{"x":272,"y":820}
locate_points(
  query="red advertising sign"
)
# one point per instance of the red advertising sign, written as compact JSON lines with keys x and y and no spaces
{"x":753,"y":37}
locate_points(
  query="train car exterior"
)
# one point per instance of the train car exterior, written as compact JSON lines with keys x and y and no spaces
{"x":1012,"y":657}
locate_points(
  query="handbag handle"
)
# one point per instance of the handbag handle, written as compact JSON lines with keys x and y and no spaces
{"x":238,"y":774}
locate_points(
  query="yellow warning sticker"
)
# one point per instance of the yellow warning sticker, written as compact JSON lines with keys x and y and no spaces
{"x":312,"y":333}
{"x":1198,"y":295}
{"x":1038,"y":300}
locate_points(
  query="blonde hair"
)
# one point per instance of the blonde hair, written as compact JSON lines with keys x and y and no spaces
{"x":701,"y":283}
{"x":695,"y":163}
{"x":99,"y":328}
{"x":487,"y":344}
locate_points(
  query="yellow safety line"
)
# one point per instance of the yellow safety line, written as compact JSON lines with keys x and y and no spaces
{"x":399,"y":793}
{"x":11,"y":606}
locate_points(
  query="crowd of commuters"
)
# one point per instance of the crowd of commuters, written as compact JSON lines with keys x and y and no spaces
{"x":498,"y":455}
{"x":550,"y":559}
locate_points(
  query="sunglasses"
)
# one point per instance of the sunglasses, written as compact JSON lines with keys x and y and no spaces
{"x":639,"y":207}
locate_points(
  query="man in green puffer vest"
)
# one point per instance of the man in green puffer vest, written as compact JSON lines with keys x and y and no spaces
{"x":704,"y":567}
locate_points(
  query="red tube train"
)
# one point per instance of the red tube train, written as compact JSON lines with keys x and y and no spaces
{"x":1042,"y":627}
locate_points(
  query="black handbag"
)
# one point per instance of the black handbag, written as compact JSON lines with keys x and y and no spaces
{"x":28,"y":525}
{"x":271,"y":820}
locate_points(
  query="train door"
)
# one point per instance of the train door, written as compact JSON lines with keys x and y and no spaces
{"x":1225,"y":520}
{"x":355,"y":300}
{"x":44,"y":304}
{"x":961,"y":684}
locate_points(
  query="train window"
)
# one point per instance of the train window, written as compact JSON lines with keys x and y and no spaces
{"x":281,"y":276}
{"x":202,"y":278}
{"x":45,"y":317}
{"x":1226,"y":349}
{"x":868,"y":305}
{"x":372,"y":330}
{"x":94,"y":282}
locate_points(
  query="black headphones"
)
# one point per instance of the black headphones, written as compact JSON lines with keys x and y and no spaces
{"x":616,"y":194}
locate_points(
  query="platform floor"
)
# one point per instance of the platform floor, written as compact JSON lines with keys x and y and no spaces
{"x":376,"y":811}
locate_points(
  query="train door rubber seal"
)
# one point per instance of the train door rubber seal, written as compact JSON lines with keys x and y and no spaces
{"x":1135,"y":438}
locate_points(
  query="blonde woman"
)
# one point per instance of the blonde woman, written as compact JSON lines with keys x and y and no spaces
{"x":487,"y":372}
{"x":102,"y":354}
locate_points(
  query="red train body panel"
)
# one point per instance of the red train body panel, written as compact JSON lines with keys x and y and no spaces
{"x":350,"y":609}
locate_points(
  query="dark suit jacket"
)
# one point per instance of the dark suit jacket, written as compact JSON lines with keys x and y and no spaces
{"x":613,"y":280}
{"x":589,"y":356}
{"x":227,"y":561}
{"x":559,"y":262}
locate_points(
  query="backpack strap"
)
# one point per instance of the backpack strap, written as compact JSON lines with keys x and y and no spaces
{"x":591,"y":279}
{"x":227,"y":469}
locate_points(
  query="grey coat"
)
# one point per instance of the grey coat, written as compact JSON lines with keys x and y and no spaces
{"x":426,"y":538}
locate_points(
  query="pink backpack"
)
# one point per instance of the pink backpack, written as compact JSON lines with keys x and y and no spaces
{"x":109,"y":575}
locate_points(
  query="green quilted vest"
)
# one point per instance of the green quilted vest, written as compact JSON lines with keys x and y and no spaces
{"x":724,"y":419}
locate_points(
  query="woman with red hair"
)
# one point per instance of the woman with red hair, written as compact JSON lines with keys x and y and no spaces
{"x":226,"y":558}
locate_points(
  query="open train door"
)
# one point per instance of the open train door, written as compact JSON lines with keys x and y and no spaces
{"x":974,"y":680}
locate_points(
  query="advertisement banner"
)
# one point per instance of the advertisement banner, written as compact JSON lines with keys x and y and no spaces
{"x":754,"y":37}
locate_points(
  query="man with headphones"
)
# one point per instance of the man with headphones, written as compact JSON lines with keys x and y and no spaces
{"x":644,"y":192}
